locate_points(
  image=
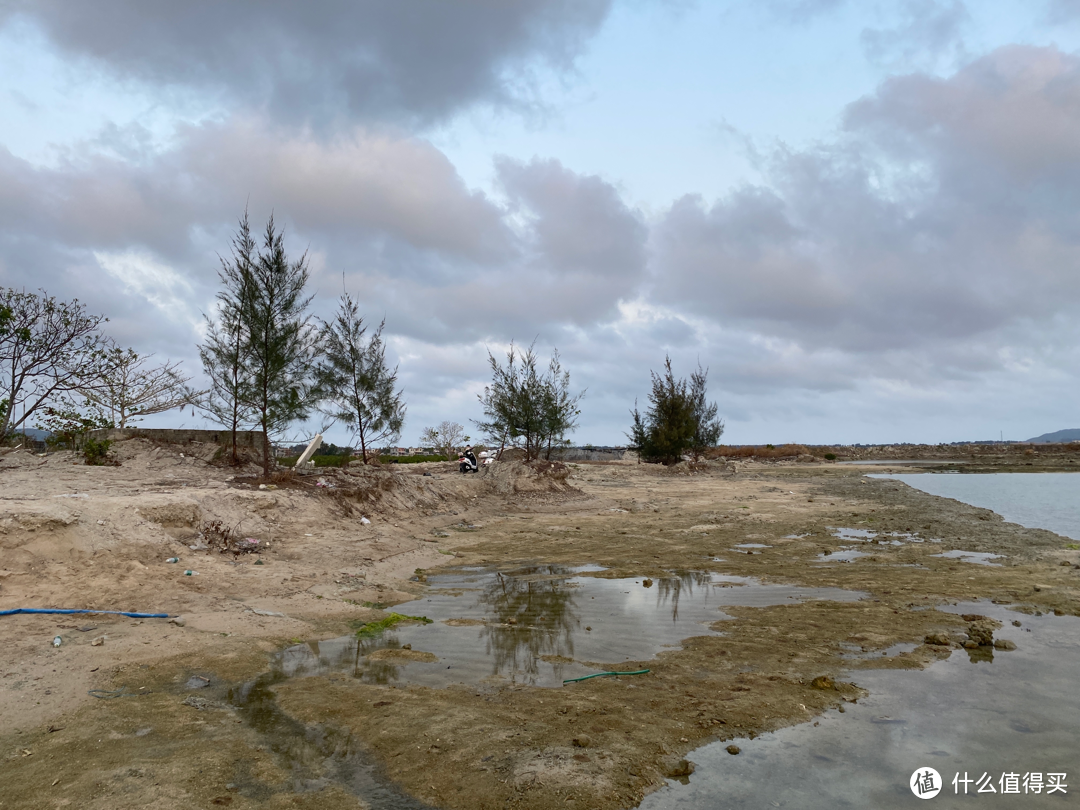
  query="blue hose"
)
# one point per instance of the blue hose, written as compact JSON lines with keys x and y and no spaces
{"x":70,"y":610}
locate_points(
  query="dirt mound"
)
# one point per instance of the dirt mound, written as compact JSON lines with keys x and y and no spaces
{"x":516,"y":477}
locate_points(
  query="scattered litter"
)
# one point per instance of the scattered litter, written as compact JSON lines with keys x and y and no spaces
{"x":259,"y":562}
{"x":197,"y":682}
{"x":173,"y":560}
{"x":605,"y":674}
{"x":97,"y":642}
{"x":73,"y":495}
{"x":364,"y":521}
{"x":13,"y":611}
{"x":110,"y":694}
{"x":267,"y":486}
{"x":190,"y":573}
{"x":57,"y":641}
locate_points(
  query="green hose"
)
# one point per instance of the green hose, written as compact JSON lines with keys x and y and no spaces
{"x":602,"y":674}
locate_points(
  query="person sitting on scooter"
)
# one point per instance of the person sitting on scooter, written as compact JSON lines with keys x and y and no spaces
{"x":470,"y":456}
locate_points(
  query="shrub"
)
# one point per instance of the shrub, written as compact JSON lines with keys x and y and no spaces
{"x":96,"y":451}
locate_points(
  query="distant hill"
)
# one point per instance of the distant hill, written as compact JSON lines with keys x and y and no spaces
{"x":1072,"y":435}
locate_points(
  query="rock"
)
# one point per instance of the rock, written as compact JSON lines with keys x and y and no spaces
{"x":733,"y":749}
{"x":511,"y":620}
{"x":178,"y":621}
{"x":822,"y":682}
{"x":647,"y":583}
{"x":981,"y":632}
{"x":937,"y":639}
{"x":97,"y":642}
{"x":582,"y":741}
{"x":406,"y":646}
{"x":682,"y":768}
{"x":973,"y":617}
{"x":971,"y":644}
{"x":1004,"y":644}
{"x":1016,"y":622}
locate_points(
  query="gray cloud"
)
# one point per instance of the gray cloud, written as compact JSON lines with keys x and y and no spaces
{"x":944,"y":217}
{"x":327,"y":61}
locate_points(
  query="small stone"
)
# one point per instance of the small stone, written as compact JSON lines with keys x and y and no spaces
{"x":841,"y":709}
{"x":179,"y":621}
{"x":682,"y":768}
{"x":982,"y":633}
{"x":1004,"y":644}
{"x":406,"y":646}
{"x":1065,"y":563}
{"x":733,"y":749}
{"x":822,"y":682}
{"x":970,"y":644}
{"x":588,"y":628}
{"x":97,"y":642}
{"x":582,"y":741}
{"x":1016,"y":622}
{"x":511,"y":621}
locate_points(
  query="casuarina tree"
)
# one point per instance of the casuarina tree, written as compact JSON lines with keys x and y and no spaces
{"x":528,"y":408}
{"x":280,"y":343}
{"x":357,"y":385}
{"x":678,"y":420}
{"x":225,"y":353}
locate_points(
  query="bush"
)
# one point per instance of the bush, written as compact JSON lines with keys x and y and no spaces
{"x":96,"y":451}
{"x":830,"y":456}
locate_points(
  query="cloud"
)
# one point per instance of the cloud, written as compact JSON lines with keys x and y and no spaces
{"x":327,"y":62}
{"x":926,"y":31}
{"x":939,"y":228}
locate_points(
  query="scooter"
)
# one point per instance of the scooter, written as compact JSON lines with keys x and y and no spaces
{"x":467,"y":464}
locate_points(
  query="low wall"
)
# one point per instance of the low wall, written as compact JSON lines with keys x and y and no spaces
{"x":244,"y":438}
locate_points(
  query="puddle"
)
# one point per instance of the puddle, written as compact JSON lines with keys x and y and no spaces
{"x":1005,"y":712}
{"x":752,"y":545}
{"x":977,"y":557}
{"x":856,"y":651}
{"x":539,"y":625}
{"x":859,"y":535}
{"x":844,"y":555}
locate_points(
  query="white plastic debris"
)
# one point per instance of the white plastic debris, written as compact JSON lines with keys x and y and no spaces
{"x":365,"y":522}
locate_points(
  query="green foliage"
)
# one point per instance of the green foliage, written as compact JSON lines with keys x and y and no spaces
{"x":96,"y":451}
{"x":372,"y":629}
{"x":527,"y":408}
{"x":830,"y":456}
{"x":356,"y":384}
{"x":49,"y":350}
{"x":678,"y":420}
{"x":68,"y":426}
{"x":409,"y":459}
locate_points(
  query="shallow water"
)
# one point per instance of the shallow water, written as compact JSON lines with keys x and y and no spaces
{"x":540,"y":625}
{"x":977,"y":557}
{"x":1038,"y":500}
{"x":993,"y":713}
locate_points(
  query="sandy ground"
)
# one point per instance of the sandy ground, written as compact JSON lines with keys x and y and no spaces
{"x":107,"y":720}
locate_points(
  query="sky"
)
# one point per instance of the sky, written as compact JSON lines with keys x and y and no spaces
{"x":861,"y":217}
